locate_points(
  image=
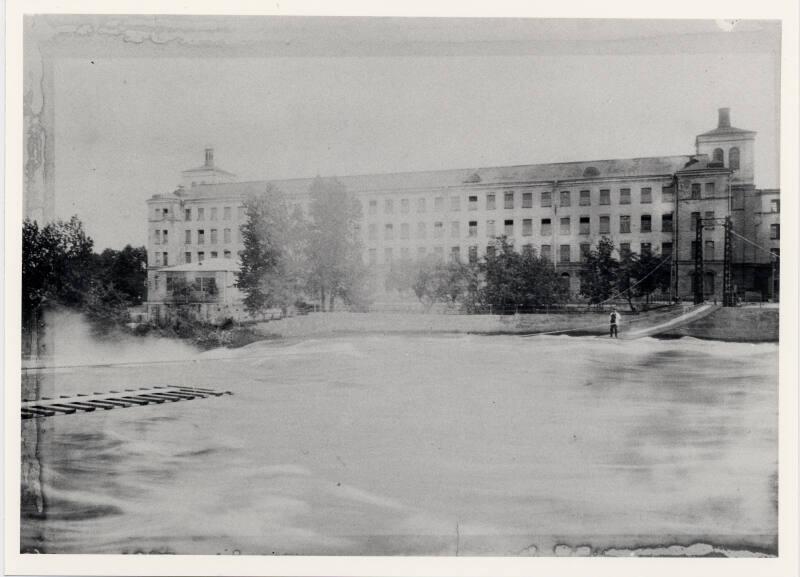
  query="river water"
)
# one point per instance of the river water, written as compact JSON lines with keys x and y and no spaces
{"x":379,"y":444}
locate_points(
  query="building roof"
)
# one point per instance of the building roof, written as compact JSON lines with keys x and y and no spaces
{"x":209,"y":169}
{"x":208,"y":265}
{"x":726,"y":131}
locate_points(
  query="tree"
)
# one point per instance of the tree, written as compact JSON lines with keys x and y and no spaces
{"x":647,"y":273}
{"x":125,"y":270}
{"x":262,"y":276}
{"x":600,"y":272}
{"x":333,"y":249}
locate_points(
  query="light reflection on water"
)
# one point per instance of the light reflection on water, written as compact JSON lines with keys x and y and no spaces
{"x":415,"y":445}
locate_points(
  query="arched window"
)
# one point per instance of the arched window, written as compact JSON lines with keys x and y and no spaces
{"x":719,"y":155}
{"x":733,"y":158}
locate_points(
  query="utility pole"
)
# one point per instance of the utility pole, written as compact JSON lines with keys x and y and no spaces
{"x":727,"y":273}
{"x":698,"y":262}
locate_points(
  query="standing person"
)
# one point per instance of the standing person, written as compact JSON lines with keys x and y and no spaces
{"x":613,"y":320}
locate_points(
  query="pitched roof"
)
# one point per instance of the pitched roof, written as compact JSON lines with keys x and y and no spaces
{"x":726,"y":131}
{"x":208,"y":265}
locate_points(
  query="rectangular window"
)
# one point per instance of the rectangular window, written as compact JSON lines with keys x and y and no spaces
{"x":227,"y":254}
{"x":508,"y":228}
{"x":645,"y":248}
{"x":775,"y":231}
{"x":695,"y":191}
{"x":693,"y":220}
{"x":187,"y":214}
{"x":455,"y":254}
{"x":404,"y":253}
{"x":547,"y":199}
{"x":372,"y":255}
{"x":491,"y":203}
{"x":547,"y":228}
{"x":405,"y":232}
{"x":624,"y":195}
{"x":455,"y":203}
{"x":372,"y":232}
{"x":708,"y":250}
{"x":646,"y":195}
{"x":226,"y":213}
{"x":666,"y":222}
{"x":775,"y":205}
{"x":508,"y":199}
{"x":566,"y":199}
{"x":527,"y":227}
{"x":586,"y":198}
{"x":201,"y":256}
{"x":422,"y":230}
{"x":388,"y":232}
{"x":373,"y":207}
{"x":473,"y":228}
{"x":666,"y":248}
{"x":187,"y":237}
{"x":187,"y":257}
{"x":156,"y":237}
{"x":438,"y":229}
{"x":565,"y":226}
{"x":473,"y":254}
{"x":213,"y":213}
{"x":667,"y":193}
{"x":405,"y":205}
{"x":472,"y":203}
{"x":624,"y":223}
{"x":438,"y":252}
{"x":564,"y":253}
{"x":646,"y":223}
{"x":455,"y":229}
{"x":710,"y":224}
{"x":490,"y":230}
{"x":388,"y":206}
{"x":605,"y":196}
{"x":438,"y":204}
{"x":388,"y":255}
{"x":201,"y":214}
{"x":584,"y":225}
{"x":165,"y":236}
{"x":227,"y":235}
{"x":201,"y":236}
{"x":214,"y":254}
{"x":527,"y":200}
{"x":710,"y":186}
{"x":605,"y":225}
{"x":421,"y":205}
{"x":491,"y":250}
{"x":213,"y":236}
{"x":240,"y":212}
{"x":547,"y":252}
{"x":585,"y":250}
{"x":527,"y":249}
{"x":694,"y":248}
{"x":166,"y":259}
{"x":624,"y":248}
{"x":421,"y":251}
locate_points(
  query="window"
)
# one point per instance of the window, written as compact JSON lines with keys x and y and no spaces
{"x":586,"y":198}
{"x":227,"y":254}
{"x":372,"y":256}
{"x":774,"y":231}
{"x":372,"y":232}
{"x":388,"y":255}
{"x":213,"y":236}
{"x":405,"y":205}
{"x":733,"y":158}
{"x":564,"y":253}
{"x":472,"y":203}
{"x":422,"y":231}
{"x":667,"y":194}
{"x":645,"y":248}
{"x":586,"y":248}
{"x":156,"y":237}
{"x":666,"y":248}
{"x":455,"y":254}
{"x":240,"y":212}
{"x":421,"y":252}
{"x":490,"y":230}
{"x":666,"y":222}
{"x":214,"y":254}
{"x":373,"y":207}
{"x":491,"y":251}
{"x":708,"y":250}
{"x":438,"y":229}
{"x":710,"y":224}
{"x":605,"y":196}
{"x":201,"y":236}
{"x":421,"y":205}
{"x":404,"y":254}
{"x":695,"y":191}
{"x":438,"y":204}
{"x":547,"y":199}
{"x":565,"y":198}
{"x":695,"y":245}
{"x":473,"y":228}
{"x":490,"y":202}
{"x":624,"y":223}
{"x":547,"y":252}
{"x":473,"y":254}
{"x":187,"y":237}
{"x":624,"y":248}
{"x":187,"y":257}
{"x":605,"y":225}
{"x":226,"y":235}
{"x":775,"y":205}
{"x":527,"y":200}
{"x":693,"y":221}
{"x":646,"y":195}
{"x":165,"y":213}
{"x":646,"y":223}
{"x":201,"y":214}
{"x":187,"y":214}
{"x":226,"y":213}
{"x":584,"y":225}
{"x":438,"y":252}
{"x":405,"y":231}
{"x":213,"y":213}
{"x":527,"y":226}
{"x":527,"y":249}
{"x":166,"y":259}
{"x":455,"y":229}
{"x":201,"y":256}
{"x":710,"y":189}
{"x":718,"y":155}
{"x":388,"y":206}
{"x":565,"y":226}
{"x":624,"y":195}
{"x":388,"y":232}
{"x":547,"y":228}
{"x":508,"y":228}
{"x":455,"y":203}
{"x":508,"y":199}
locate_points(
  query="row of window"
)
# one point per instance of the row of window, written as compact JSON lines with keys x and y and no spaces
{"x":162,"y":258}
{"x":545,"y":227}
{"x":213,"y":237}
{"x":199,"y":213}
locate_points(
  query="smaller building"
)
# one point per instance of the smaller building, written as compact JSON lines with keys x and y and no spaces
{"x":203,"y":290}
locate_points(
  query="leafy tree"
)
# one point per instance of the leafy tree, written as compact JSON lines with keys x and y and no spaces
{"x":649,"y":273}
{"x":262,"y":276}
{"x":600,"y":273}
{"x":125,"y":270}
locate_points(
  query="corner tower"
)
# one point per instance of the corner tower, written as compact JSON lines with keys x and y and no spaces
{"x":731,"y":146}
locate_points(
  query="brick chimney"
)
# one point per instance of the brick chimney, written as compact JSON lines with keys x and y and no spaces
{"x":724,"y":118}
{"x":210,"y":155}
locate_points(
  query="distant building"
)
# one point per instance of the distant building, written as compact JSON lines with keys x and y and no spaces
{"x":561,"y":210}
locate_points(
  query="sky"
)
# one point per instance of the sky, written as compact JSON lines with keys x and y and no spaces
{"x":125,"y":127}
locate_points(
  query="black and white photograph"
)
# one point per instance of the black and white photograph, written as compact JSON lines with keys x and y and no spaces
{"x":383,"y":286}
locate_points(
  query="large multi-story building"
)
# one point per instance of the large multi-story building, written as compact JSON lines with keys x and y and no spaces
{"x":561,"y":210}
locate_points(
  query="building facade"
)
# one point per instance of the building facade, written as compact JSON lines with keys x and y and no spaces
{"x":560,"y":210}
